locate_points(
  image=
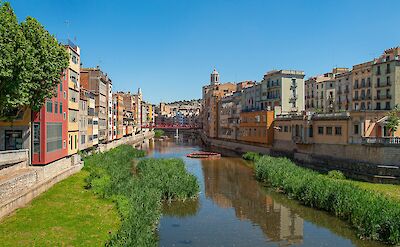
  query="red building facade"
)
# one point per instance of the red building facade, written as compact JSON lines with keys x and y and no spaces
{"x":50,"y":127}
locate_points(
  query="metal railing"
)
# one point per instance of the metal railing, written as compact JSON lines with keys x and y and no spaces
{"x":381,"y":140}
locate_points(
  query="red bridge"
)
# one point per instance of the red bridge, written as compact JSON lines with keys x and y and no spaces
{"x":170,"y":126}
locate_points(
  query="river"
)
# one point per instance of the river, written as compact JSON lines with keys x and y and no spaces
{"x":233,"y":209}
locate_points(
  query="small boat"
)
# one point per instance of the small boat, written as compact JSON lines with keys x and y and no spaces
{"x":203,"y":155}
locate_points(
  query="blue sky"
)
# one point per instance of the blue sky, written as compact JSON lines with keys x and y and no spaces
{"x":169,"y":47}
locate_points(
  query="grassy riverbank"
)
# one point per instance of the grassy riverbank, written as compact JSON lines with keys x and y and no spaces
{"x":375,"y":216}
{"x":139,"y":195}
{"x":65,"y":215}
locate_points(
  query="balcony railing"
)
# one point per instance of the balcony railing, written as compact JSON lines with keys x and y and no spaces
{"x":381,"y":140}
{"x":381,"y":97}
{"x":346,"y":90}
{"x":387,"y":84}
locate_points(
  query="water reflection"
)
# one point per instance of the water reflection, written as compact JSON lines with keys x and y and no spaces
{"x":233,"y":209}
{"x":231,"y":184}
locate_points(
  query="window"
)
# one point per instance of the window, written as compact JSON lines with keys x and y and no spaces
{"x":356,"y":130}
{"x":338,"y":130}
{"x":387,"y":106}
{"x":13,"y":139}
{"x":49,"y":106}
{"x":72,"y":115}
{"x":64,"y":116}
{"x":378,"y":105}
{"x":329,"y":130}
{"x":60,"y":107}
{"x":55,"y":107}
{"x":320,"y":130}
{"x":36,"y":138}
{"x":61,"y":87}
{"x":65,"y":94}
{"x":54,"y":136}
{"x":285,"y":128}
{"x":83,"y":139}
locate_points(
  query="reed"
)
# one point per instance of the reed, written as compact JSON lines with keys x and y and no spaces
{"x":138,"y":189}
{"x":374,"y":215}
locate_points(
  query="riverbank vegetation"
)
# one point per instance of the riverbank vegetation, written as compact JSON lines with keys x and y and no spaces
{"x":375,"y":216}
{"x":65,"y":215}
{"x":158,"y":133}
{"x":138,"y":188}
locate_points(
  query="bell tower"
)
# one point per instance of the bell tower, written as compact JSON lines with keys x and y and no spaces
{"x":214,"y":77}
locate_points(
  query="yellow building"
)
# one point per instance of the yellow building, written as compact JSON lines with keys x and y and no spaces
{"x":16,"y":135}
{"x":257,"y":127}
{"x":73,"y":71}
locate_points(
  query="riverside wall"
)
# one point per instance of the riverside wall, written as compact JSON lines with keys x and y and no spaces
{"x":21,"y":183}
{"x":380,"y":164}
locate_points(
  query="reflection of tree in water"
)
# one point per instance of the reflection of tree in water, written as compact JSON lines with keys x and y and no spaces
{"x":181,"y":209}
{"x":230,"y":184}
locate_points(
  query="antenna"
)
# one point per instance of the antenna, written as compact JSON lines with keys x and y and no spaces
{"x":67,"y":25}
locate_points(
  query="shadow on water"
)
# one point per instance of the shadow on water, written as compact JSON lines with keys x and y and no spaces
{"x":233,"y":209}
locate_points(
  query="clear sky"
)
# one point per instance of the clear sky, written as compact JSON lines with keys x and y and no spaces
{"x":169,"y":47}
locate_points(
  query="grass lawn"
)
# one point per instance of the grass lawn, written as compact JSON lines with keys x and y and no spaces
{"x":65,"y":215}
{"x":390,"y":190}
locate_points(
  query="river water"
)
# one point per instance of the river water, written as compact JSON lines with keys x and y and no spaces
{"x":233,"y":209}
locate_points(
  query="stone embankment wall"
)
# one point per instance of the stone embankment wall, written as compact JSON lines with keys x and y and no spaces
{"x":363,"y":162}
{"x":20,"y":183}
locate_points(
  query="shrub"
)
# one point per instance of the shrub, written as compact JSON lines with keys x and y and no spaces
{"x":373,"y":215}
{"x":252,"y":156}
{"x":138,"y":198}
{"x":158,"y":133}
{"x":334,"y":174}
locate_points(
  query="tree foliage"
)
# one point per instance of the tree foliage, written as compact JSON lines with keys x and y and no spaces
{"x":31,"y":62}
{"x":393,"y":120}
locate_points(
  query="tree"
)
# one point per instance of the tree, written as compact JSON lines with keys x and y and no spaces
{"x":31,"y":63}
{"x":393,"y":120}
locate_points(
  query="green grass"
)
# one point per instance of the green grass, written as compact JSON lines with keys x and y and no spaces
{"x":373,"y":215}
{"x":138,"y":189}
{"x":65,"y":215}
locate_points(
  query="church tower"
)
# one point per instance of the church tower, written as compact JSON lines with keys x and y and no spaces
{"x":214,"y":77}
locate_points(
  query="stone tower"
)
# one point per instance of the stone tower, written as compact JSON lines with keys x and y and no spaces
{"x":214,"y":77}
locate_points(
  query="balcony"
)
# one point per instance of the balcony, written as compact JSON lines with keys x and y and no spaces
{"x":339,"y":92}
{"x":293,"y":86}
{"x":346,"y":90}
{"x":293,"y":98}
{"x":356,"y":86}
{"x":355,"y":98}
{"x":382,"y":97}
{"x":381,"y":140}
{"x":300,"y":140}
{"x":387,"y":84}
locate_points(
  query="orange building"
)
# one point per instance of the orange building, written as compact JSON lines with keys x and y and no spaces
{"x":257,"y":127}
{"x":118,"y":105}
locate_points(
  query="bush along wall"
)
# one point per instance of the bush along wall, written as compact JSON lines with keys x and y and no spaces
{"x":138,"y":189}
{"x":373,"y":215}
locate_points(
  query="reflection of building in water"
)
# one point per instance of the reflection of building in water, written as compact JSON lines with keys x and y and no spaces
{"x":231,"y":185}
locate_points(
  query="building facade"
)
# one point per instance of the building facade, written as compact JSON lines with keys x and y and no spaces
{"x":73,"y":75}
{"x":283,"y":91}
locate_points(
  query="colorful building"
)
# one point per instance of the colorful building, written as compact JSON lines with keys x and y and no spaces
{"x":16,"y":134}
{"x":257,"y":127}
{"x":97,"y":82}
{"x":50,"y":126}
{"x":73,"y":75}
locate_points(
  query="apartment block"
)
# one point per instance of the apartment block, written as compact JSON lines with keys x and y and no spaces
{"x":229,"y":108}
{"x":386,"y":80}
{"x":118,"y":109}
{"x":97,"y":82}
{"x":283,"y":91}
{"x":88,"y":129}
{"x":343,"y":88}
{"x":257,"y":127}
{"x":50,"y":127}
{"x":73,"y":75}
{"x":362,"y":87}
